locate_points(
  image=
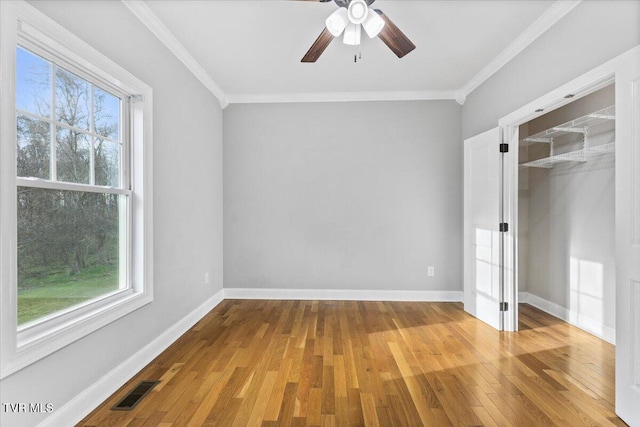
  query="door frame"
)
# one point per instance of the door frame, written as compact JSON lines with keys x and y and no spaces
{"x":589,"y":82}
{"x":581,"y":86}
{"x":509,"y":134}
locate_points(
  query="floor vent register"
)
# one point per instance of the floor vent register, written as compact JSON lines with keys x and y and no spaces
{"x":134,"y":397}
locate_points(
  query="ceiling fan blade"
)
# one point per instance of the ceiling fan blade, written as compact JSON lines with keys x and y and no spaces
{"x":394,"y":38}
{"x":318,"y":46}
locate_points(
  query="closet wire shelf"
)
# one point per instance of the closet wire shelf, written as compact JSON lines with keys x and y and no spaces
{"x":574,"y":156}
{"x":579,"y":125}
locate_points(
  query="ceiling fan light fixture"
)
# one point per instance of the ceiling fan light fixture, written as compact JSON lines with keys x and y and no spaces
{"x":348,"y":21}
{"x":373,"y":24}
{"x":358,"y":11}
{"x":352,"y":35}
{"x":337,"y":21}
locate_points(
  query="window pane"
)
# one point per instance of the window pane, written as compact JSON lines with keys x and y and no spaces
{"x":73,"y":156}
{"x":67,"y":249}
{"x":107,"y":155}
{"x":106,"y":114}
{"x":33,"y":83}
{"x":33,"y":147}
{"x":73,"y":96}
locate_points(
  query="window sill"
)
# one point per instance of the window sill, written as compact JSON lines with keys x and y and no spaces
{"x":41,"y":339}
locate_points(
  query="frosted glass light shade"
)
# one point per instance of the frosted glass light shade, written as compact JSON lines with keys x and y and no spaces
{"x":352,"y":34}
{"x":373,"y":24}
{"x":337,"y":21}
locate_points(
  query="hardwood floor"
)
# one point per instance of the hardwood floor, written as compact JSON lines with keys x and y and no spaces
{"x":346,"y":363}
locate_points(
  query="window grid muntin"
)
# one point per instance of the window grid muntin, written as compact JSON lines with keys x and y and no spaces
{"x":93,"y":135}
{"x":92,"y":152}
{"x":54,"y":125}
{"x":55,"y":58}
{"x":63,"y":125}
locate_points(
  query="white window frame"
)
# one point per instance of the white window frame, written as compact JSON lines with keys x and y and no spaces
{"x":22,"y":24}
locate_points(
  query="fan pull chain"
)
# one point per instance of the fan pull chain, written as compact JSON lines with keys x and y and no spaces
{"x":358,"y":54}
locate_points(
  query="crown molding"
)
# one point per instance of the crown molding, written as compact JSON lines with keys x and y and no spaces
{"x":153,"y":23}
{"x":554,"y":14}
{"x":274,"y":98}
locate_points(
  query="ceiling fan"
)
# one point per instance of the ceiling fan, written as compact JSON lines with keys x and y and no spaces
{"x":350,"y":18}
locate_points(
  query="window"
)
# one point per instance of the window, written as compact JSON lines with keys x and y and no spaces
{"x":75,"y":187}
{"x":72,"y":191}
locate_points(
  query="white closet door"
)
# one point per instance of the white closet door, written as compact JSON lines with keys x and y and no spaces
{"x":628,"y":241}
{"x":482,"y":182}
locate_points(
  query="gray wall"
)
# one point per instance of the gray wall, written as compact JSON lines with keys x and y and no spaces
{"x":591,"y":34}
{"x":187,"y":134}
{"x":343,"y":196}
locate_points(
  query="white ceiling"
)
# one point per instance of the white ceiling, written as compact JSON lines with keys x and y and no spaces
{"x":252,"y":49}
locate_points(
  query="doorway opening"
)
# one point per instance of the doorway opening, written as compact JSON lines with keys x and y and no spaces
{"x":566,"y":212}
{"x":589,"y":275}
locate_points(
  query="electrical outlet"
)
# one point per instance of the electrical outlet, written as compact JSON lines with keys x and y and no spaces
{"x":206,"y":278}
{"x":431,"y":271}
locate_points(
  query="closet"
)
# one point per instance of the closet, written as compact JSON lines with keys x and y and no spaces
{"x":566,"y":212}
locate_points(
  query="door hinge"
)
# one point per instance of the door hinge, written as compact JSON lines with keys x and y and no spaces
{"x":504,"y":148}
{"x":504,"y":227}
{"x":504,"y":306}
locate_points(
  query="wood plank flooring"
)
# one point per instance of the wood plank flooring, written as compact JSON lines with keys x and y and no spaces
{"x":348,"y":363}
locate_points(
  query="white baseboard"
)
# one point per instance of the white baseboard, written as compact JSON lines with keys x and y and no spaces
{"x":342,"y":294}
{"x":572,"y":317}
{"x":523,"y":297}
{"x":80,"y":406}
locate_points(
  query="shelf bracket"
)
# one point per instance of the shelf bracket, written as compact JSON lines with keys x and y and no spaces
{"x":585,"y":144}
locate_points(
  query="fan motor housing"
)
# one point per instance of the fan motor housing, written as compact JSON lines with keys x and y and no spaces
{"x":357,"y":12}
